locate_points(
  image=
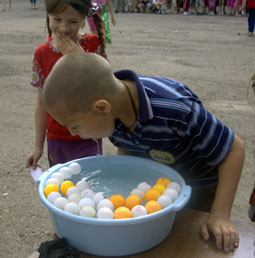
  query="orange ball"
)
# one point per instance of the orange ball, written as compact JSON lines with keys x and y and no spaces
{"x":133,"y":200}
{"x":122,"y":213}
{"x":65,"y":186}
{"x":50,"y":188}
{"x":151,"y":194}
{"x":164,"y":181}
{"x":118,"y":200}
{"x":159,"y":187}
{"x":153,"y":206}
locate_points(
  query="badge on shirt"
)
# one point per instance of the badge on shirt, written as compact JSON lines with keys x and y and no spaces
{"x":162,"y":156}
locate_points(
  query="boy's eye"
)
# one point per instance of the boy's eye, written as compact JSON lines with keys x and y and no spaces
{"x":74,"y":22}
{"x":56,"y":19}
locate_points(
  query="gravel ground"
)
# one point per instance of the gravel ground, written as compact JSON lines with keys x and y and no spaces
{"x":213,"y":55}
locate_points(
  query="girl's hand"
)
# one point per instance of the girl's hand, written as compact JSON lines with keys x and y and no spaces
{"x":224,"y":231}
{"x":66,"y":45}
{"x":113,"y":21}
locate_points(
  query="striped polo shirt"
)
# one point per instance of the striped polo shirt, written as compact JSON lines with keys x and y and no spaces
{"x":174,"y":128}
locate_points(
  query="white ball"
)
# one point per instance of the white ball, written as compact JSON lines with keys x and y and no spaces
{"x":138,"y":192}
{"x":82,"y":185}
{"x":61,"y":202}
{"x":87,"y":193}
{"x":59,"y":177}
{"x":87,"y":202}
{"x":65,"y":172}
{"x":53,"y":196}
{"x":99,"y":196}
{"x":75,"y":168}
{"x":72,"y":207}
{"x":72,"y":190}
{"x":171,"y":193}
{"x":164,"y":200}
{"x":53,"y":181}
{"x":105,"y":213}
{"x":175,"y":186}
{"x":88,"y":211}
{"x":144,"y":186}
{"x":105,"y":203}
{"x":74,"y":198}
{"x":138,"y":211}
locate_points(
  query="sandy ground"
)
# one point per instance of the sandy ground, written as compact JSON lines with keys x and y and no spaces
{"x":213,"y":55}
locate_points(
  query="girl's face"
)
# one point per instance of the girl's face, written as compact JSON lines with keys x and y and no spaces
{"x":67,"y":22}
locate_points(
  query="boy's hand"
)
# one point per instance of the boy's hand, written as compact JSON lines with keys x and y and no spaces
{"x":224,"y":231}
{"x":66,"y":45}
{"x":32,"y":158}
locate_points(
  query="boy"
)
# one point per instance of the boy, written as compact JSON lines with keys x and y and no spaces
{"x":157,"y":118}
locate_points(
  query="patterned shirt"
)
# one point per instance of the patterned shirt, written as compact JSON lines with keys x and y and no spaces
{"x":174,"y":128}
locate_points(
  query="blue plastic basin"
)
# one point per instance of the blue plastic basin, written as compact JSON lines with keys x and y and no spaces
{"x":116,"y":174}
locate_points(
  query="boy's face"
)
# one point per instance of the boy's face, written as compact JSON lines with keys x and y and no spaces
{"x":89,"y":125}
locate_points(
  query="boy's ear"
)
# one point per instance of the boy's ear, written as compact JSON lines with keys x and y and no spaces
{"x":102,"y":106}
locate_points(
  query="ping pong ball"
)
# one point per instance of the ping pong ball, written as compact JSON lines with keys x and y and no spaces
{"x":152,"y":206}
{"x":53,"y":196}
{"x":61,"y":202}
{"x":133,"y":200}
{"x":172,"y":193}
{"x":53,"y":181}
{"x":87,"y":193}
{"x":122,"y":213}
{"x":159,"y":187}
{"x":118,"y":200}
{"x":105,"y":213}
{"x":72,"y":207}
{"x":82,"y":185}
{"x":164,"y":181}
{"x":65,"y":172}
{"x":88,"y":211}
{"x":75,"y":168}
{"x":87,"y":202}
{"x":72,"y":190}
{"x":138,"y":192}
{"x":99,"y":196}
{"x":105,"y":203}
{"x":175,"y":186}
{"x":74,"y":198}
{"x":65,"y":186}
{"x":151,"y":194}
{"x":58,"y":176}
{"x":138,"y":211}
{"x":144,"y":186}
{"x":164,"y":200}
{"x":50,"y":188}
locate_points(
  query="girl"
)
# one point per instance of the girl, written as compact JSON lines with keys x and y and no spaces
{"x":65,"y":18}
{"x":102,"y":10}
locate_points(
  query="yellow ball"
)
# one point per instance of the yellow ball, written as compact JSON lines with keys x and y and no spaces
{"x":65,"y":186}
{"x":133,"y":200}
{"x":151,"y":194}
{"x":50,"y":188}
{"x":159,"y":187}
{"x":122,"y":213}
{"x":118,"y":200}
{"x":153,"y":206}
{"x":164,"y":181}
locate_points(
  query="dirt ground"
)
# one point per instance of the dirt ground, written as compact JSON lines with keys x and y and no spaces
{"x":213,"y":55}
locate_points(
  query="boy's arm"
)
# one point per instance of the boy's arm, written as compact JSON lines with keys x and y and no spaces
{"x":40,"y":132}
{"x":218,"y":221}
{"x":109,"y":5}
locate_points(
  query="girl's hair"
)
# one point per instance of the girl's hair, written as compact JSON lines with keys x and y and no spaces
{"x":81,"y":6}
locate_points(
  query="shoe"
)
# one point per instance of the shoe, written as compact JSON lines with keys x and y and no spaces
{"x":250,"y":34}
{"x":185,"y":13}
{"x":237,"y":14}
{"x":211,"y":13}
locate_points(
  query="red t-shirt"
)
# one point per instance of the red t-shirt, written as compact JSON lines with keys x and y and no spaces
{"x":251,"y":4}
{"x":45,"y":57}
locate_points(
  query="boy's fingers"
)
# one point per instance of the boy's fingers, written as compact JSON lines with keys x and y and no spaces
{"x":204,"y":232}
{"x":218,"y":237}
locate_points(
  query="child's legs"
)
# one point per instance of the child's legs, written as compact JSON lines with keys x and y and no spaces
{"x":186,"y":5}
{"x":202,"y":199}
{"x":60,"y":151}
{"x":211,"y":5}
{"x":251,"y":20}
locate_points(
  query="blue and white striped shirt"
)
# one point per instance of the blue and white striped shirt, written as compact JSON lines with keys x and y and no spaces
{"x":174,"y":128}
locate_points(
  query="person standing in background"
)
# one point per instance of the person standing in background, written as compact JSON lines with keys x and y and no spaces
{"x":251,"y":19}
{"x":10,"y":5}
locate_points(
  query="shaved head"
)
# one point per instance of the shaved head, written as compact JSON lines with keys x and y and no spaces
{"x":77,"y":80}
